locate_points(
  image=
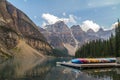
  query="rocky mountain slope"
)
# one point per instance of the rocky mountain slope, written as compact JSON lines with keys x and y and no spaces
{"x":59,"y":35}
{"x":16,"y":26}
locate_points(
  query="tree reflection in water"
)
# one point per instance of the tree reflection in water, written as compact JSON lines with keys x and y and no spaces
{"x":46,"y":69}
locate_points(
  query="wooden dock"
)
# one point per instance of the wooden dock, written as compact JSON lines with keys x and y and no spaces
{"x":89,"y":66}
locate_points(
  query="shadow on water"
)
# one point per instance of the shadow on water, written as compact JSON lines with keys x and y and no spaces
{"x":46,"y":69}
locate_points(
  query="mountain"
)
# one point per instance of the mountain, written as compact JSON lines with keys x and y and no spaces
{"x":90,"y":32}
{"x":61,"y":30}
{"x":105,"y":34}
{"x":16,"y":27}
{"x":60,"y":36}
{"x":81,"y":36}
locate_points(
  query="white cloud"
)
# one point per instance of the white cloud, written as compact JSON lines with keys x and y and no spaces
{"x":44,"y":24}
{"x":89,"y":24}
{"x":114,"y":25}
{"x":64,"y":14}
{"x":51,"y":19}
{"x":72,"y":19}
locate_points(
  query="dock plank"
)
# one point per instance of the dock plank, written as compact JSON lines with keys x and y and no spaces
{"x":92,"y":65}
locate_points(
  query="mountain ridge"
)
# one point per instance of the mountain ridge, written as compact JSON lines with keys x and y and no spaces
{"x":15,"y":26}
{"x":75,"y":33}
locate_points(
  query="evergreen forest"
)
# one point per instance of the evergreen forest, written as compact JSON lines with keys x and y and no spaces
{"x":102,"y":48}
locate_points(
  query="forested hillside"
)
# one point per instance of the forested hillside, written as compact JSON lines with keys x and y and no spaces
{"x":102,"y":48}
{"x":117,"y":39}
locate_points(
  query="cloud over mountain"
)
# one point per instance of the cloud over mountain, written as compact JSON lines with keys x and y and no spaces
{"x":89,"y":24}
{"x":86,"y":25}
{"x":51,"y":19}
{"x":114,"y":25}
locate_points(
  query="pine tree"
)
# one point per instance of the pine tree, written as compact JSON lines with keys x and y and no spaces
{"x":102,"y":48}
{"x":117,"y":39}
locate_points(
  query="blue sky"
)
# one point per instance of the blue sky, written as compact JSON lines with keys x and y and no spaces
{"x":98,"y":13}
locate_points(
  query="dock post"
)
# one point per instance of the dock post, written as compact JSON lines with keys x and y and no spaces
{"x":118,"y":60}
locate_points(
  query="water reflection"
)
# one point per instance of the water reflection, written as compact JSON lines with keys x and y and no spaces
{"x":25,"y":68}
{"x":104,"y":74}
{"x":46,"y":69}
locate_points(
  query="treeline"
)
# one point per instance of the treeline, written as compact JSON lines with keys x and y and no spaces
{"x":117,"y":40}
{"x":102,"y":48}
{"x":97,"y":48}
